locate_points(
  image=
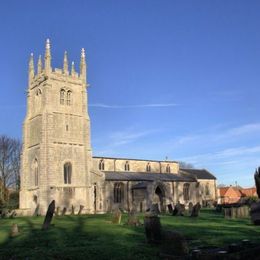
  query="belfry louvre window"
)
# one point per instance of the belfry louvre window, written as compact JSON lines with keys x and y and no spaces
{"x":168,"y":168}
{"x":101,"y":165}
{"x":67,"y":171}
{"x":127,"y":166}
{"x":69,"y":98}
{"x":148,"y":167}
{"x":62,"y":94}
{"x":186,"y":191}
{"x":118,"y":192}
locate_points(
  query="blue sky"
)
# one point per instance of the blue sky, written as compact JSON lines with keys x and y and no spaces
{"x":168,"y":78}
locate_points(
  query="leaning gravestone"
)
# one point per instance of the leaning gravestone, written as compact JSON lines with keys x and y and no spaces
{"x":133,"y":219}
{"x":80,"y":209}
{"x":57,"y":212}
{"x":152,"y":226}
{"x":174,"y":243}
{"x":190,"y":207}
{"x":116,"y":219}
{"x":255,"y":207}
{"x":72,"y":210}
{"x":170,"y":208}
{"x":179,"y":210}
{"x":36,"y":211}
{"x":63,"y":211}
{"x":14,"y":230}
{"x":195,"y":210}
{"x":49,"y":214}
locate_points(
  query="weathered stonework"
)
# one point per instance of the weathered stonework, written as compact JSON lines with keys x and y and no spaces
{"x":57,"y":162}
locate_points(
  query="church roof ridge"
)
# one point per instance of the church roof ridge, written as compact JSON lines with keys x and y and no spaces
{"x":133,"y":159}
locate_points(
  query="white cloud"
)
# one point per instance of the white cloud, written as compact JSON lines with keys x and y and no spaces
{"x":99,"y":105}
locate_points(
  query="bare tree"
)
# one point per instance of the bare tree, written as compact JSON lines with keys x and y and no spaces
{"x":185,"y":165}
{"x":10,"y":150}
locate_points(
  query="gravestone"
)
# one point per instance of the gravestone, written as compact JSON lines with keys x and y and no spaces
{"x":133,"y":219}
{"x":155,"y":209}
{"x":80,"y":209}
{"x":63,"y":211}
{"x":195,"y":210}
{"x":49,"y":214}
{"x":179,"y":210}
{"x":170,"y":208}
{"x":13,"y":214}
{"x":116,"y":218}
{"x":174,"y":243}
{"x":190,"y":207}
{"x":36,"y":211}
{"x":57,"y":213}
{"x":255,"y":213}
{"x":72,"y":210}
{"x":14,"y":230}
{"x":152,"y":226}
{"x":227,"y":212}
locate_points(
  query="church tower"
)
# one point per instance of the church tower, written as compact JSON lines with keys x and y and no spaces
{"x":57,"y":155}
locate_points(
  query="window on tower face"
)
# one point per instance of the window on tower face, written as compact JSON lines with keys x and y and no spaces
{"x":148,"y":167}
{"x":69,"y":98}
{"x":67,"y":173}
{"x":36,"y":172}
{"x":127,"y":166}
{"x":168,"y":168}
{"x":62,"y":94}
{"x":101,"y":165}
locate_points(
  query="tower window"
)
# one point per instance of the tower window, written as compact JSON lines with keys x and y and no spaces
{"x":67,"y":173}
{"x":62,"y":94}
{"x":67,"y":127}
{"x":186,"y":191}
{"x":127,"y":166}
{"x":101,"y":165}
{"x":148,"y":167}
{"x":36,"y":173}
{"x":69,"y":98}
{"x":118,"y":192}
{"x":168,"y":168}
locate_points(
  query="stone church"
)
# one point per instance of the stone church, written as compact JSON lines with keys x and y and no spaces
{"x":57,"y":161}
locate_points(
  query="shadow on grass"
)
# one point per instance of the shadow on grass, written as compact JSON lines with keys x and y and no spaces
{"x":76,"y":237}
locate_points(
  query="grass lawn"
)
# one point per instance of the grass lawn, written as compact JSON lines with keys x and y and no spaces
{"x":94,"y":237}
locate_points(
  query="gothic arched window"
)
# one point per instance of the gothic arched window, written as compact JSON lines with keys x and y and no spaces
{"x":118,"y":192}
{"x":127,"y":166}
{"x":67,"y":171}
{"x":186,"y":191}
{"x":62,"y":96}
{"x":207,"y":191}
{"x":148,"y":167}
{"x":101,"y":165}
{"x":36,"y":172}
{"x":69,"y":98}
{"x":168,"y":168}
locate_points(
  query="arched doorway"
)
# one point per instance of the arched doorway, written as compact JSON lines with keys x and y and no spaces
{"x":159,"y":195}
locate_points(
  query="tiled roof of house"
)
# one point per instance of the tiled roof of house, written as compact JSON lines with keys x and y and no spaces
{"x":199,"y":173}
{"x":248,"y":192}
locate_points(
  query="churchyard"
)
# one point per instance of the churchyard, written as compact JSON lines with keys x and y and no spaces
{"x":100,"y":237}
